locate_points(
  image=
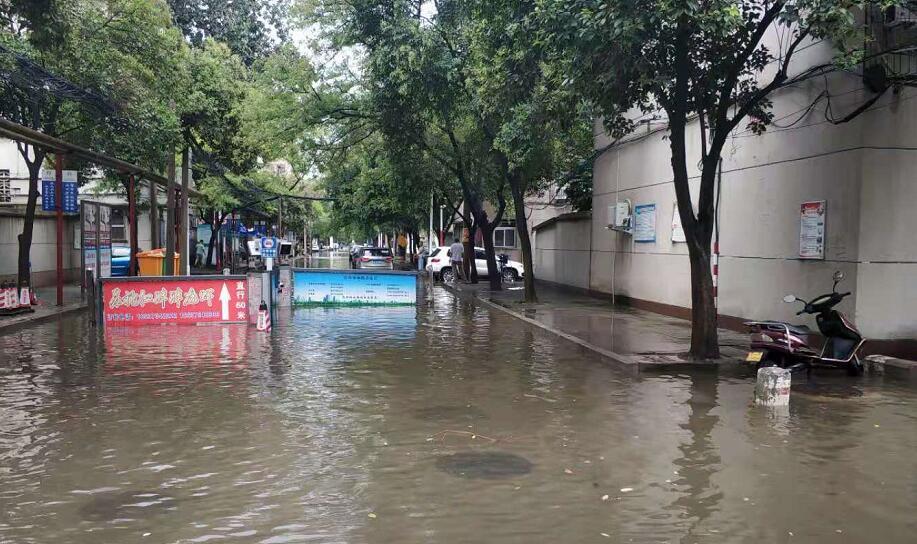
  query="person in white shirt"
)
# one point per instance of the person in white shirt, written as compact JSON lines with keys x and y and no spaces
{"x":455,"y":256}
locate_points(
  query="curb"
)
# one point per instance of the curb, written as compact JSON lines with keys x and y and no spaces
{"x":618,"y":358}
{"x":890,"y":366}
{"x":38,"y":319}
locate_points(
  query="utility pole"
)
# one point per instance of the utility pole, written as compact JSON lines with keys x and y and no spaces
{"x":59,"y":206}
{"x":430,"y":236}
{"x":170,"y":215}
{"x":442,"y":235}
{"x":132,"y":222}
{"x":280,"y":217}
{"x":183,"y":212}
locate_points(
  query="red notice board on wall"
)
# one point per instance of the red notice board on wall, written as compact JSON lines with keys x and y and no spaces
{"x":188,"y":300}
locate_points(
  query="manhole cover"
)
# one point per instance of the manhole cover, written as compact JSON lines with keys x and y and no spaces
{"x":484,"y":465}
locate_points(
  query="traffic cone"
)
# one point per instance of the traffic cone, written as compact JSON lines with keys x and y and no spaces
{"x":12,"y":296}
{"x":4,"y":296}
{"x":24,"y":297}
{"x":264,"y":318}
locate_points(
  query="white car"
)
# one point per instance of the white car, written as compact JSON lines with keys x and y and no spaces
{"x":440,"y":264}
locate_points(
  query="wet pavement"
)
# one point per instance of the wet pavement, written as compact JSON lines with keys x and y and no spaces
{"x":450,"y":422}
{"x":626,"y":334}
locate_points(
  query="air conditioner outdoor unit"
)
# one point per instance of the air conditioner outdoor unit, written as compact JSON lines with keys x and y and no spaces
{"x":899,"y":16}
{"x":619,"y":217}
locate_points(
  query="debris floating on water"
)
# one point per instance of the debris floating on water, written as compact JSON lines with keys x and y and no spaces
{"x":626,"y":489}
{"x":604,"y":497}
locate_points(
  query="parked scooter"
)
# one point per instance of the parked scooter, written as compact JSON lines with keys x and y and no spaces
{"x":775,"y":343}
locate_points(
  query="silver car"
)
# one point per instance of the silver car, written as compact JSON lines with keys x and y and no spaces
{"x":375,"y":258}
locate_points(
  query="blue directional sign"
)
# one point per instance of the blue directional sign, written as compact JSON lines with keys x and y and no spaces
{"x":268,"y":248}
{"x":69,"y":191}
{"x":48,"y":199}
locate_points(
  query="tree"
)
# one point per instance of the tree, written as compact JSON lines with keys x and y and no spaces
{"x":83,"y":69}
{"x":704,"y":60}
{"x":249,"y":28}
{"x":414,"y":77}
{"x":539,"y":131}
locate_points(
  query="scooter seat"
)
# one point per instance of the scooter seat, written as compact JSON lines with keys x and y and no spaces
{"x":794,"y":329}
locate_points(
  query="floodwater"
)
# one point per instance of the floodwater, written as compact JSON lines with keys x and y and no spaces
{"x":330,"y":259}
{"x":446,"y":423}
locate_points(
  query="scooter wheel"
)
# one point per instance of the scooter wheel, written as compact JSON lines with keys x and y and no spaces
{"x":855,"y":367}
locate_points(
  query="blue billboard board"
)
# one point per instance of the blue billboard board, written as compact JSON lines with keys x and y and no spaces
{"x":353,"y":287}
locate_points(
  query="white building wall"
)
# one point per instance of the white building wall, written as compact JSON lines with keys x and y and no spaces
{"x":561,"y":253}
{"x":11,"y":159}
{"x":863,"y":169}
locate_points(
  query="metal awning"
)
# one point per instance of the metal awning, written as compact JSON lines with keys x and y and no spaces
{"x":15,"y":131}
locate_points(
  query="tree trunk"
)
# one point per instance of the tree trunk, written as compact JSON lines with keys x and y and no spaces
{"x":522,"y":232}
{"x":704,"y":334}
{"x":214,"y":228}
{"x":470,"y":271}
{"x":493,"y":271}
{"x":25,"y":238}
{"x":468,"y":266}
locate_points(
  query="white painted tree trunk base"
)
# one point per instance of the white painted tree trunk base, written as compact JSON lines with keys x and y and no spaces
{"x":773,"y":387}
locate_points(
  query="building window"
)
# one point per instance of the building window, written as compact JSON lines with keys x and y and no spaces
{"x":6,"y":194}
{"x":118,"y":230}
{"x":505,"y":237}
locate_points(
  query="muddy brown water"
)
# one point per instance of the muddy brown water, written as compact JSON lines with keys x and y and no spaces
{"x":445,"y":423}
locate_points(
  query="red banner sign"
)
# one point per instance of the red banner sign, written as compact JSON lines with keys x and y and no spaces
{"x":189,"y":301}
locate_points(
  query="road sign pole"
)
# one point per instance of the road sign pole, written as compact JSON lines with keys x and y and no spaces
{"x":59,"y":206}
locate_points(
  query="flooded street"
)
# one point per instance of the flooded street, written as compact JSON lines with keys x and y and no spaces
{"x":442,"y":423}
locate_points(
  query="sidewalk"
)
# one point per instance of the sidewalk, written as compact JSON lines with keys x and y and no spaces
{"x":46,"y":309}
{"x":623,"y":334}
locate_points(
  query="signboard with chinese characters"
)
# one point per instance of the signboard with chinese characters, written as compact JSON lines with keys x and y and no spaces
{"x":71,"y":194}
{"x":645,"y":223}
{"x":812,"y":229}
{"x":49,"y":192}
{"x":678,"y":233}
{"x":104,"y":241}
{"x":353,"y":288}
{"x":174,"y":300}
{"x":90,"y":222}
{"x":268,"y":247}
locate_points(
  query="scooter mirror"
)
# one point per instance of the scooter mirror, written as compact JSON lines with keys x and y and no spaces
{"x":838,"y":275}
{"x":789,"y":298}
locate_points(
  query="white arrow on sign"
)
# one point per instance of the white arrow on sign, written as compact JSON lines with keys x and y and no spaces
{"x":224,"y":299}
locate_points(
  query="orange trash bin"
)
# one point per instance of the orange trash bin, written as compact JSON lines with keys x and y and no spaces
{"x":152,"y":262}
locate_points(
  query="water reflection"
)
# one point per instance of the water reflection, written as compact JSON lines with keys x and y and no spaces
{"x":445,"y":423}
